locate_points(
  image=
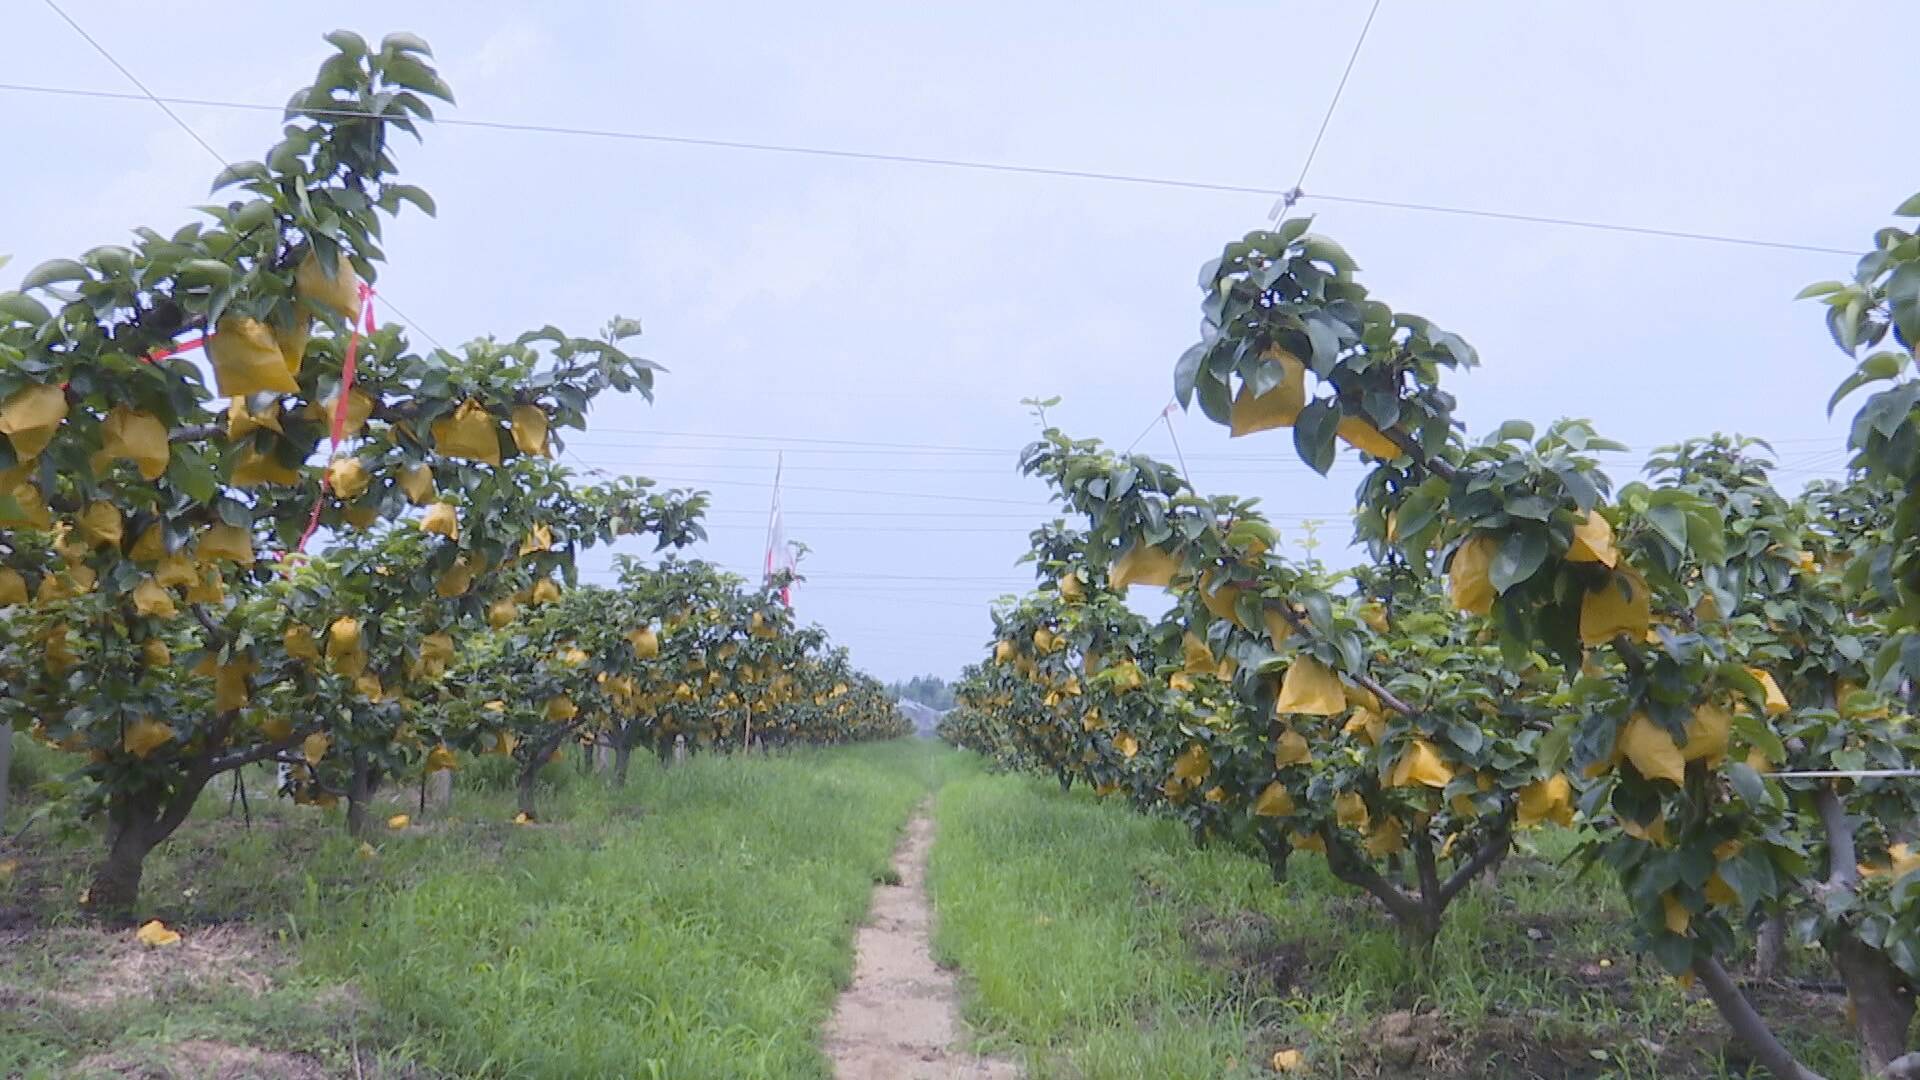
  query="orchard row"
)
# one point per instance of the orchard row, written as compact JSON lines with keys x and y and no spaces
{"x":346,"y":557}
{"x":1708,"y":677}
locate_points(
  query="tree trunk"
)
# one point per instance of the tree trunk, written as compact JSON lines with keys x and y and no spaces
{"x":663,"y":749}
{"x":1278,"y":851}
{"x":622,"y":757}
{"x":135,"y":826}
{"x":439,"y":790}
{"x":359,"y":794}
{"x":116,"y":878}
{"x":529,"y":774}
{"x":1882,"y":1004}
{"x":6,"y":767}
{"x":1770,"y":947}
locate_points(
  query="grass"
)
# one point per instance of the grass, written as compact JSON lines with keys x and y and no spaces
{"x":696,"y":923}
{"x":1102,"y":943}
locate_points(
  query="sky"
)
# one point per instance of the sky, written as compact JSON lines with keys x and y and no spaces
{"x":878,"y":323}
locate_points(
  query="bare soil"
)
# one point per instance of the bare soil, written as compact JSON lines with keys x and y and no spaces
{"x":203,"y":1059}
{"x":899,"y":1020}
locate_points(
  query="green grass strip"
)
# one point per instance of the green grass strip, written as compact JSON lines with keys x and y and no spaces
{"x":697,"y":924}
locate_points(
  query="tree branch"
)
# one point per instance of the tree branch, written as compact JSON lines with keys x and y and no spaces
{"x":1904,"y":1067}
{"x":1843,"y":869}
{"x":1490,"y":853}
{"x":1629,"y":653}
{"x":259,"y":753}
{"x":1355,"y":871}
{"x":1747,"y":1024}
{"x":1366,"y":681}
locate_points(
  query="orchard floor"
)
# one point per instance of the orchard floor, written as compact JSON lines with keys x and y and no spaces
{"x":698,"y":923}
{"x":1104,"y":944}
{"x":702,"y":922}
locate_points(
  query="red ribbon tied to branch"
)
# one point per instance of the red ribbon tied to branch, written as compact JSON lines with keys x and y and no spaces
{"x":347,"y":368}
{"x":340,"y":407}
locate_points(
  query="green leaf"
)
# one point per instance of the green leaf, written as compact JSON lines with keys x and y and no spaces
{"x":401,"y":43}
{"x":1671,"y":523}
{"x":1554,"y":748}
{"x":417,"y":76}
{"x":1706,"y":535}
{"x":205,"y":272}
{"x":1515,"y":431}
{"x":1520,"y":555}
{"x":416,"y":195}
{"x":1215,"y":402}
{"x":1756,"y":732}
{"x":245,"y":170}
{"x":1292,"y":229}
{"x":1321,"y":249}
{"x":1209,"y":273}
{"x":1748,"y":783}
{"x":1187,"y":371}
{"x":1749,"y":875}
{"x":1819,"y":288}
{"x":1910,"y":208}
{"x":348,"y":42}
{"x":1313,"y":432}
{"x":1675,"y":953}
{"x":1325,"y":340}
{"x":54,"y":270}
{"x":20,"y":307}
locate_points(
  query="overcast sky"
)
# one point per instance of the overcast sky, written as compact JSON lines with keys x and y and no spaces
{"x":880,"y":322}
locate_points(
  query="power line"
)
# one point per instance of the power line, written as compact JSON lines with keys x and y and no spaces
{"x":803,"y":531}
{"x":1575,"y":223}
{"x":1145,"y":430}
{"x":135,"y":80}
{"x":956,"y":163}
{"x":780,"y":440}
{"x":796,"y":444}
{"x":1293,"y":467}
{"x":688,"y":140}
{"x":855,"y":491}
{"x":1326,"y":120}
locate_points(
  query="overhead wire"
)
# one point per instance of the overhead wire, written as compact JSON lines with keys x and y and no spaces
{"x":959,"y":163}
{"x":865,"y":446}
{"x":1327,"y":120}
{"x":852,"y":491}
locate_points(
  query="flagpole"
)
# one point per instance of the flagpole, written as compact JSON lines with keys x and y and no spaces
{"x":773,"y":512}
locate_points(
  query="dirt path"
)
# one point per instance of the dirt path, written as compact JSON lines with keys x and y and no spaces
{"x":900,"y":1018}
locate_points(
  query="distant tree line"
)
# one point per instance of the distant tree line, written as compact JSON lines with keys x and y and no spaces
{"x":930,"y":690}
